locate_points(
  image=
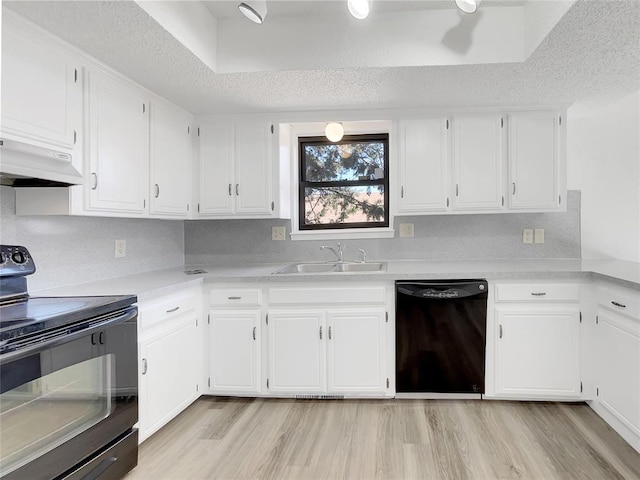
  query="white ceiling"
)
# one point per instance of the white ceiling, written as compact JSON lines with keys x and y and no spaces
{"x":592,"y":55}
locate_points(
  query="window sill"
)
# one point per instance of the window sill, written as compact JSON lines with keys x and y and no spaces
{"x":344,"y":234}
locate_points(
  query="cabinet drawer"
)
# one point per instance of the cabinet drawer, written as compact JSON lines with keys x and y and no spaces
{"x":158,"y":311}
{"x":323,"y":295}
{"x":236,"y":296}
{"x":537,"y":292}
{"x":622,"y":301}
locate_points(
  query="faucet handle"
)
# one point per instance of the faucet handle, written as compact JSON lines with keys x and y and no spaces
{"x":364,"y":255}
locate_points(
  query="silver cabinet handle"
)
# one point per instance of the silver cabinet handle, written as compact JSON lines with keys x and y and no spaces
{"x":538,"y":294}
{"x":329,"y":333}
{"x":95,"y":180}
{"x":144,"y":366}
{"x":618,"y":304}
{"x":234,"y":298}
{"x":254,"y":333}
{"x":447,"y":201}
{"x":173,"y":310}
{"x":237,"y":189}
{"x":457,"y":190}
{"x":514,"y":188}
{"x":500,"y":331}
{"x":230,"y":190}
{"x":157,"y":190}
{"x":320,"y":332}
{"x":401,"y":192}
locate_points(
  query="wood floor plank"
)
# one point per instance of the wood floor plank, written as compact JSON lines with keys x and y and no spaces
{"x":287,"y":439}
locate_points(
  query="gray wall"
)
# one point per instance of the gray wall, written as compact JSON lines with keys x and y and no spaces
{"x":72,"y":250}
{"x":436,"y":238}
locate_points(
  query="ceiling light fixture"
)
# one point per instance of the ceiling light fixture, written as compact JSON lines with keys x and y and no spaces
{"x":468,"y":6}
{"x":358,"y":8}
{"x":334,"y":131}
{"x":254,"y":10}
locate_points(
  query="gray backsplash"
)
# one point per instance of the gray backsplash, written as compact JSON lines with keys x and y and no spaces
{"x":70,"y":250}
{"x":436,"y":238}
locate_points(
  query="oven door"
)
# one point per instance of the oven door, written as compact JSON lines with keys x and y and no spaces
{"x":64,"y":399}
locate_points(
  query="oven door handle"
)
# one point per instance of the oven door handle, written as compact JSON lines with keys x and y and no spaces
{"x":62,"y":337}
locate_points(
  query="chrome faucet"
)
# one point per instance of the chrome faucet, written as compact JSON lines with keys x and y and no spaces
{"x":338,"y":253}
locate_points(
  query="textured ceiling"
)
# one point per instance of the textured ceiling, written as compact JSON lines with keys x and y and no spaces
{"x":591,"y":56}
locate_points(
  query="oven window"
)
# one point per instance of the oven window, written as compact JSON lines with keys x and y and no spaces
{"x":40,"y":415}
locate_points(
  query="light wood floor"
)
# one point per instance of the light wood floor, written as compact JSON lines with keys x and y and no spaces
{"x":232,"y":438}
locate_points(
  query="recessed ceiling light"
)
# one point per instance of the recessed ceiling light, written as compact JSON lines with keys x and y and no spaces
{"x":358,"y":8}
{"x":254,"y":10}
{"x":468,"y":6}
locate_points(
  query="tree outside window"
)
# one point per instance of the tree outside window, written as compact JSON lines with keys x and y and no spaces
{"x":344,"y":184}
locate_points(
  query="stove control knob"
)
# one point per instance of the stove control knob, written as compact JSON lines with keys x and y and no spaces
{"x":19,"y":258}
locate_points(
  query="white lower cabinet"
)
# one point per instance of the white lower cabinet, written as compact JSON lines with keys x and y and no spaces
{"x":537,"y":352}
{"x":617,"y":361}
{"x":535,"y":342}
{"x":234,"y":339}
{"x":170,"y":359}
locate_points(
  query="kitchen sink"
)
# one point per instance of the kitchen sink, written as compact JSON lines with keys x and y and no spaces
{"x":344,"y":267}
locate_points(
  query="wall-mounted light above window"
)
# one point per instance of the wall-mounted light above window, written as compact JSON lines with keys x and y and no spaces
{"x":334,"y":131}
{"x":254,"y":10}
{"x":468,"y":6}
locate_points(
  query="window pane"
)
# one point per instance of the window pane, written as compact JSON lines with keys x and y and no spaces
{"x":334,"y":205}
{"x":344,"y":162}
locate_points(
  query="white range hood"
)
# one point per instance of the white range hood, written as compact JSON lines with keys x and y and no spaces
{"x":23,"y":165}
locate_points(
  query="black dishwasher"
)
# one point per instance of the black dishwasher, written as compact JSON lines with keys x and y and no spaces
{"x":440,"y":338}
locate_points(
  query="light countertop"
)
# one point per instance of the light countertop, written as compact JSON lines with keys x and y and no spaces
{"x":161,"y":282}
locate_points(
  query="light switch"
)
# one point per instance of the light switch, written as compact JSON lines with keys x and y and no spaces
{"x":527,"y":235}
{"x":539,"y":235}
{"x":406,"y":230}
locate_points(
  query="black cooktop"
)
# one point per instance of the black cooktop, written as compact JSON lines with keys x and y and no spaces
{"x":39,"y":314}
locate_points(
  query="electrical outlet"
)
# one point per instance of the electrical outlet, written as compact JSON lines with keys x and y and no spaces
{"x":538,"y":235}
{"x":278,"y":233}
{"x":406,"y":230}
{"x":527,"y":235}
{"x":121,"y":248}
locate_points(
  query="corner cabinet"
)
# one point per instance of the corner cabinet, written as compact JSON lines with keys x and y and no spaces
{"x":328,"y":340}
{"x":118,"y":141}
{"x":534,"y":160}
{"x":536,"y":342}
{"x":236,"y":169}
{"x":170,"y":358}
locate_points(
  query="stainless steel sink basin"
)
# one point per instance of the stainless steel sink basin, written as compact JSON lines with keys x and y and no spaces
{"x":346,"y":267}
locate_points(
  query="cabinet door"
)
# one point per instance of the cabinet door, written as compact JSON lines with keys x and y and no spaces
{"x":253,"y":168}
{"x":618,"y":371}
{"x":41,"y":90}
{"x":477,"y":163}
{"x":533,"y":160}
{"x":234,"y":340}
{"x":119,"y":146}
{"x":424,"y":163}
{"x":169,"y":373}
{"x":297,"y":351}
{"x":171,"y":160}
{"x":217,"y":194}
{"x":537,"y":351}
{"x":356,"y":356}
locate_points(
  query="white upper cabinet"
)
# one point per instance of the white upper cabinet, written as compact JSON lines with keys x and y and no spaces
{"x":41,"y":89}
{"x":423,"y":166}
{"x":171,"y":160}
{"x":236,"y":170}
{"x":118,"y":145}
{"x":534,"y":149}
{"x":477,"y":146}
